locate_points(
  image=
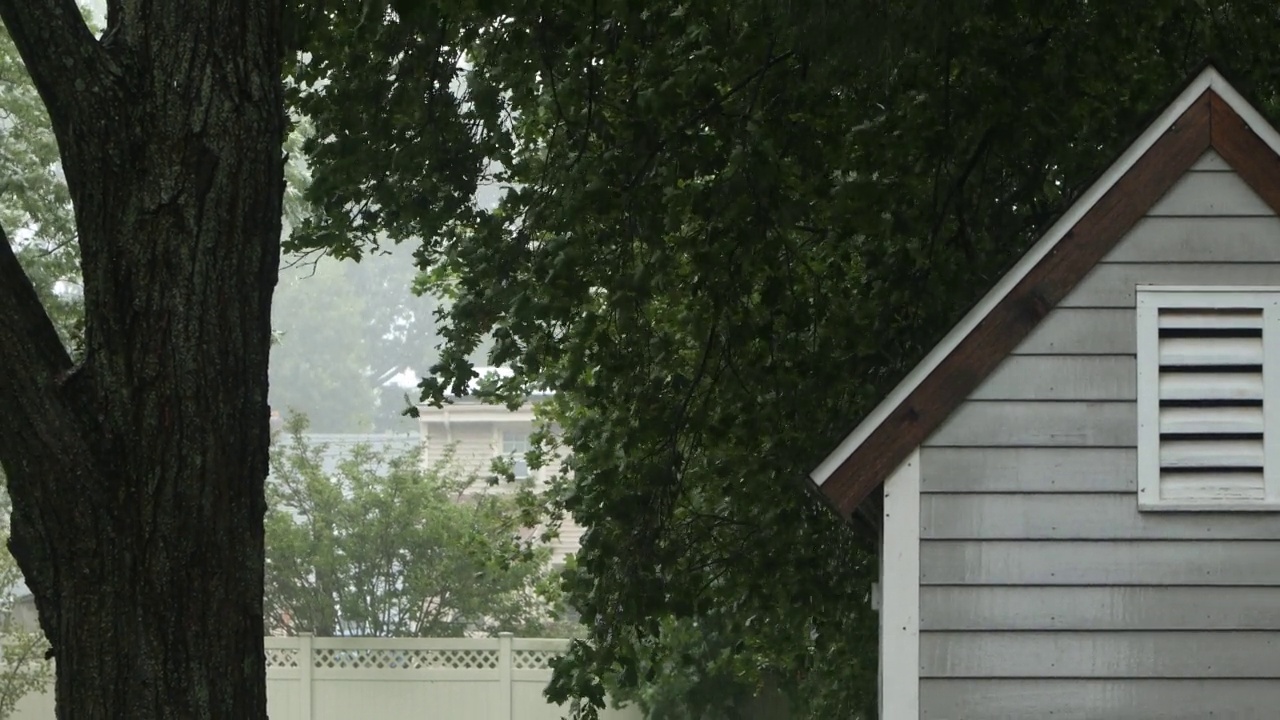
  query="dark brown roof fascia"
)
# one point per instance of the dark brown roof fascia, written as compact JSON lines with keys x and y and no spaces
{"x":1249,"y":155}
{"x":1047,"y":283}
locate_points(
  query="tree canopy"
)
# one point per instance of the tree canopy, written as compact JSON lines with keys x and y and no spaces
{"x":345,"y":329}
{"x":731,"y":227}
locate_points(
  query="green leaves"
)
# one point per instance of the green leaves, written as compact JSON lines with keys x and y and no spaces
{"x":735,"y":226}
{"x":35,"y":206}
{"x":22,"y":649}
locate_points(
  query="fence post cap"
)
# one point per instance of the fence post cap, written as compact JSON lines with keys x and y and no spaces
{"x":506,"y":635}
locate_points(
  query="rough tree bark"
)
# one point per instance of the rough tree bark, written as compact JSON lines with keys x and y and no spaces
{"x":137,"y":475}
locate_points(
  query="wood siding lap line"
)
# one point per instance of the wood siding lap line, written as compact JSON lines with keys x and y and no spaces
{"x":1086,"y":541}
{"x":998,"y":445}
{"x":1230,"y":563}
{"x":1114,"y":285}
{"x":1002,"y":399}
{"x":1054,"y":492}
{"x":1113,"y":655}
{"x":1110,"y":585}
{"x":1092,"y":631}
{"x":1210,"y":195}
{"x":1078,"y":516}
{"x":1225,"y":215}
{"x":1028,"y":470}
{"x":1082,"y":331}
{"x":1272,"y":262}
{"x":1013,"y":318}
{"x":981,"y":400}
{"x":1102,"y":609}
{"x":1025,"y":445}
{"x":1061,"y":378}
{"x":1145,"y":699}
{"x":1039,"y":424}
{"x":1222,"y":240}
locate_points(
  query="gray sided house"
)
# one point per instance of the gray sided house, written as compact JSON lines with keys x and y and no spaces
{"x":1079,"y":485}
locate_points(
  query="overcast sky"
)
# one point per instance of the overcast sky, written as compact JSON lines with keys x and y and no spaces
{"x":98,"y":7}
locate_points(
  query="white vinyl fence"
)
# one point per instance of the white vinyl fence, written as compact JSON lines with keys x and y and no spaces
{"x":401,"y":679}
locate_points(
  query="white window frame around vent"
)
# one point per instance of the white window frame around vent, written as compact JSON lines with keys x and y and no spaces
{"x":1150,"y":301}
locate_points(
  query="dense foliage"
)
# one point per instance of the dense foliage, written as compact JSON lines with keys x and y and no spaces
{"x":730,"y":228}
{"x":370,"y":543}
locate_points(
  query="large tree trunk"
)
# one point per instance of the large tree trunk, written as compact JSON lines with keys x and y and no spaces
{"x":137,"y":475}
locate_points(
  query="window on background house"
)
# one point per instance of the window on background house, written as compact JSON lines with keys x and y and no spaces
{"x":515,"y":443}
{"x":1208,"y":397}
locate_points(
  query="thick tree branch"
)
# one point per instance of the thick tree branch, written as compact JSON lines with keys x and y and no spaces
{"x":38,"y":435}
{"x":64,"y":59}
{"x":24,"y":322}
{"x":115,"y":12}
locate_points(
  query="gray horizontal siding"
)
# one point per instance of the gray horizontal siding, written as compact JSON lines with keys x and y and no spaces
{"x":1113,"y":285}
{"x":1210,"y":193}
{"x":1039,"y":424}
{"x":1182,"y":699}
{"x":1244,"y":654}
{"x":1211,"y":161}
{"x":1059,"y":377}
{"x":1201,"y":240}
{"x":1110,"y":562}
{"x":1045,"y":593}
{"x":337,"y":448}
{"x":1028,"y":470}
{"x":1099,"y":608}
{"x":1082,"y":331}
{"x":1113,"y":516}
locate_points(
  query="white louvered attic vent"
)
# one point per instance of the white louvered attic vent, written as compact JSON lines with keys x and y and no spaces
{"x":1206,"y":398}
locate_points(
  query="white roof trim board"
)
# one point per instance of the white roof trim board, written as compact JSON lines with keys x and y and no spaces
{"x":1209,"y":79}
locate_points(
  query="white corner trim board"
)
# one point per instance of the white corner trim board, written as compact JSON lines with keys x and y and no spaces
{"x":1210,"y":79}
{"x":900,"y":594}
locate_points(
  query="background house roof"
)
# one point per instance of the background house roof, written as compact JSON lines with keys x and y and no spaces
{"x":339,"y":445}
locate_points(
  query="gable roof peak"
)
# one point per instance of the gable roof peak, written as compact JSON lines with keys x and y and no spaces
{"x":1207,"y":114}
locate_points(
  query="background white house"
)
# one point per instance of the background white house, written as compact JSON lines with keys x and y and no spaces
{"x":476,"y":433}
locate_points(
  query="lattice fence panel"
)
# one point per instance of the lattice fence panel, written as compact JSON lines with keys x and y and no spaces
{"x":387,"y":659}
{"x":282,"y":658}
{"x":533,"y":659}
